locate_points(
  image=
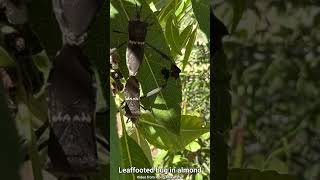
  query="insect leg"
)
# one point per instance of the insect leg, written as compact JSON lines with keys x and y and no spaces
{"x":153,"y":92}
{"x":174,"y":69}
{"x":103,"y":142}
{"x":166,"y":57}
{"x":138,"y":12}
{"x":43,"y":145}
{"x":40,"y":147}
{"x":113,"y":50}
{"x":41,"y":129}
{"x":120,"y":32}
{"x":144,"y":108}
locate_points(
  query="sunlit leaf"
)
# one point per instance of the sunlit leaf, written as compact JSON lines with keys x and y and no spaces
{"x":189,"y":47}
{"x":165,"y":104}
{"x":115,"y":151}
{"x":201,"y":9}
{"x":158,"y":135}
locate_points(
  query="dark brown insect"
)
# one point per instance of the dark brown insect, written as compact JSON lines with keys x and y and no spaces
{"x":137,"y":30}
{"x":74,"y":18}
{"x":132,"y":99}
{"x":72,"y":100}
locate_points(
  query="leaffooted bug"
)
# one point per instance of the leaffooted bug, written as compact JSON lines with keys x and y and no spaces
{"x":137,"y":30}
{"x":72,"y":143}
{"x":72,"y":98}
{"x":137,"y":33}
{"x":132,"y":98}
{"x":74,"y":18}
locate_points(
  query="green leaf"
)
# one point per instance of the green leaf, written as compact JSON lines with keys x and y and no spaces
{"x":133,"y":156}
{"x":176,"y":36}
{"x":185,"y":35}
{"x":166,"y":12}
{"x":5,"y":59}
{"x":246,"y":174}
{"x":25,"y":120}
{"x":102,"y":175}
{"x":276,"y":164}
{"x":172,"y":33}
{"x":239,"y":7}
{"x":10,"y":155}
{"x":180,"y":8}
{"x":115,"y":151}
{"x":165,"y":104}
{"x":193,"y":146}
{"x":189,"y":48}
{"x":141,"y":141}
{"x":158,"y":160}
{"x":161,"y":137}
{"x":201,"y":9}
{"x":43,"y":63}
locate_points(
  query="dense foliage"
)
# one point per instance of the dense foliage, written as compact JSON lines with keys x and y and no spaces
{"x":177,"y":32}
{"x":273,"y":56}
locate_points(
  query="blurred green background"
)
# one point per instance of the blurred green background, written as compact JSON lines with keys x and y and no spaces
{"x":273,"y":56}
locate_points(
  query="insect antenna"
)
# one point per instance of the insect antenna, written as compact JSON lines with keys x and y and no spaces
{"x":112,"y":51}
{"x":138,"y":12}
{"x":119,"y":32}
{"x":144,"y":108}
{"x":103,"y":142}
{"x":41,"y":129}
{"x":166,"y":57}
{"x":146,"y":20}
{"x":40,"y":147}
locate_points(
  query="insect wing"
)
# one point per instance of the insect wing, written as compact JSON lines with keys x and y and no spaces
{"x":74,"y":18}
{"x":132,"y":97}
{"x":137,"y":31}
{"x":72,"y":93}
{"x":134,"y":58}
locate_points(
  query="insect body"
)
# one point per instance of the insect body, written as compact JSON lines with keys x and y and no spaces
{"x":137,"y":32}
{"x":132,"y":99}
{"x":72,"y":92}
{"x":137,"y":35}
{"x":74,"y":18}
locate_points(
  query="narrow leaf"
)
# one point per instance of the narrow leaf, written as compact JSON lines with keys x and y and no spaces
{"x":189,"y":47}
{"x":115,"y":151}
{"x":5,"y":58}
{"x":238,"y":10}
{"x":201,"y":9}
{"x":10,"y":157}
